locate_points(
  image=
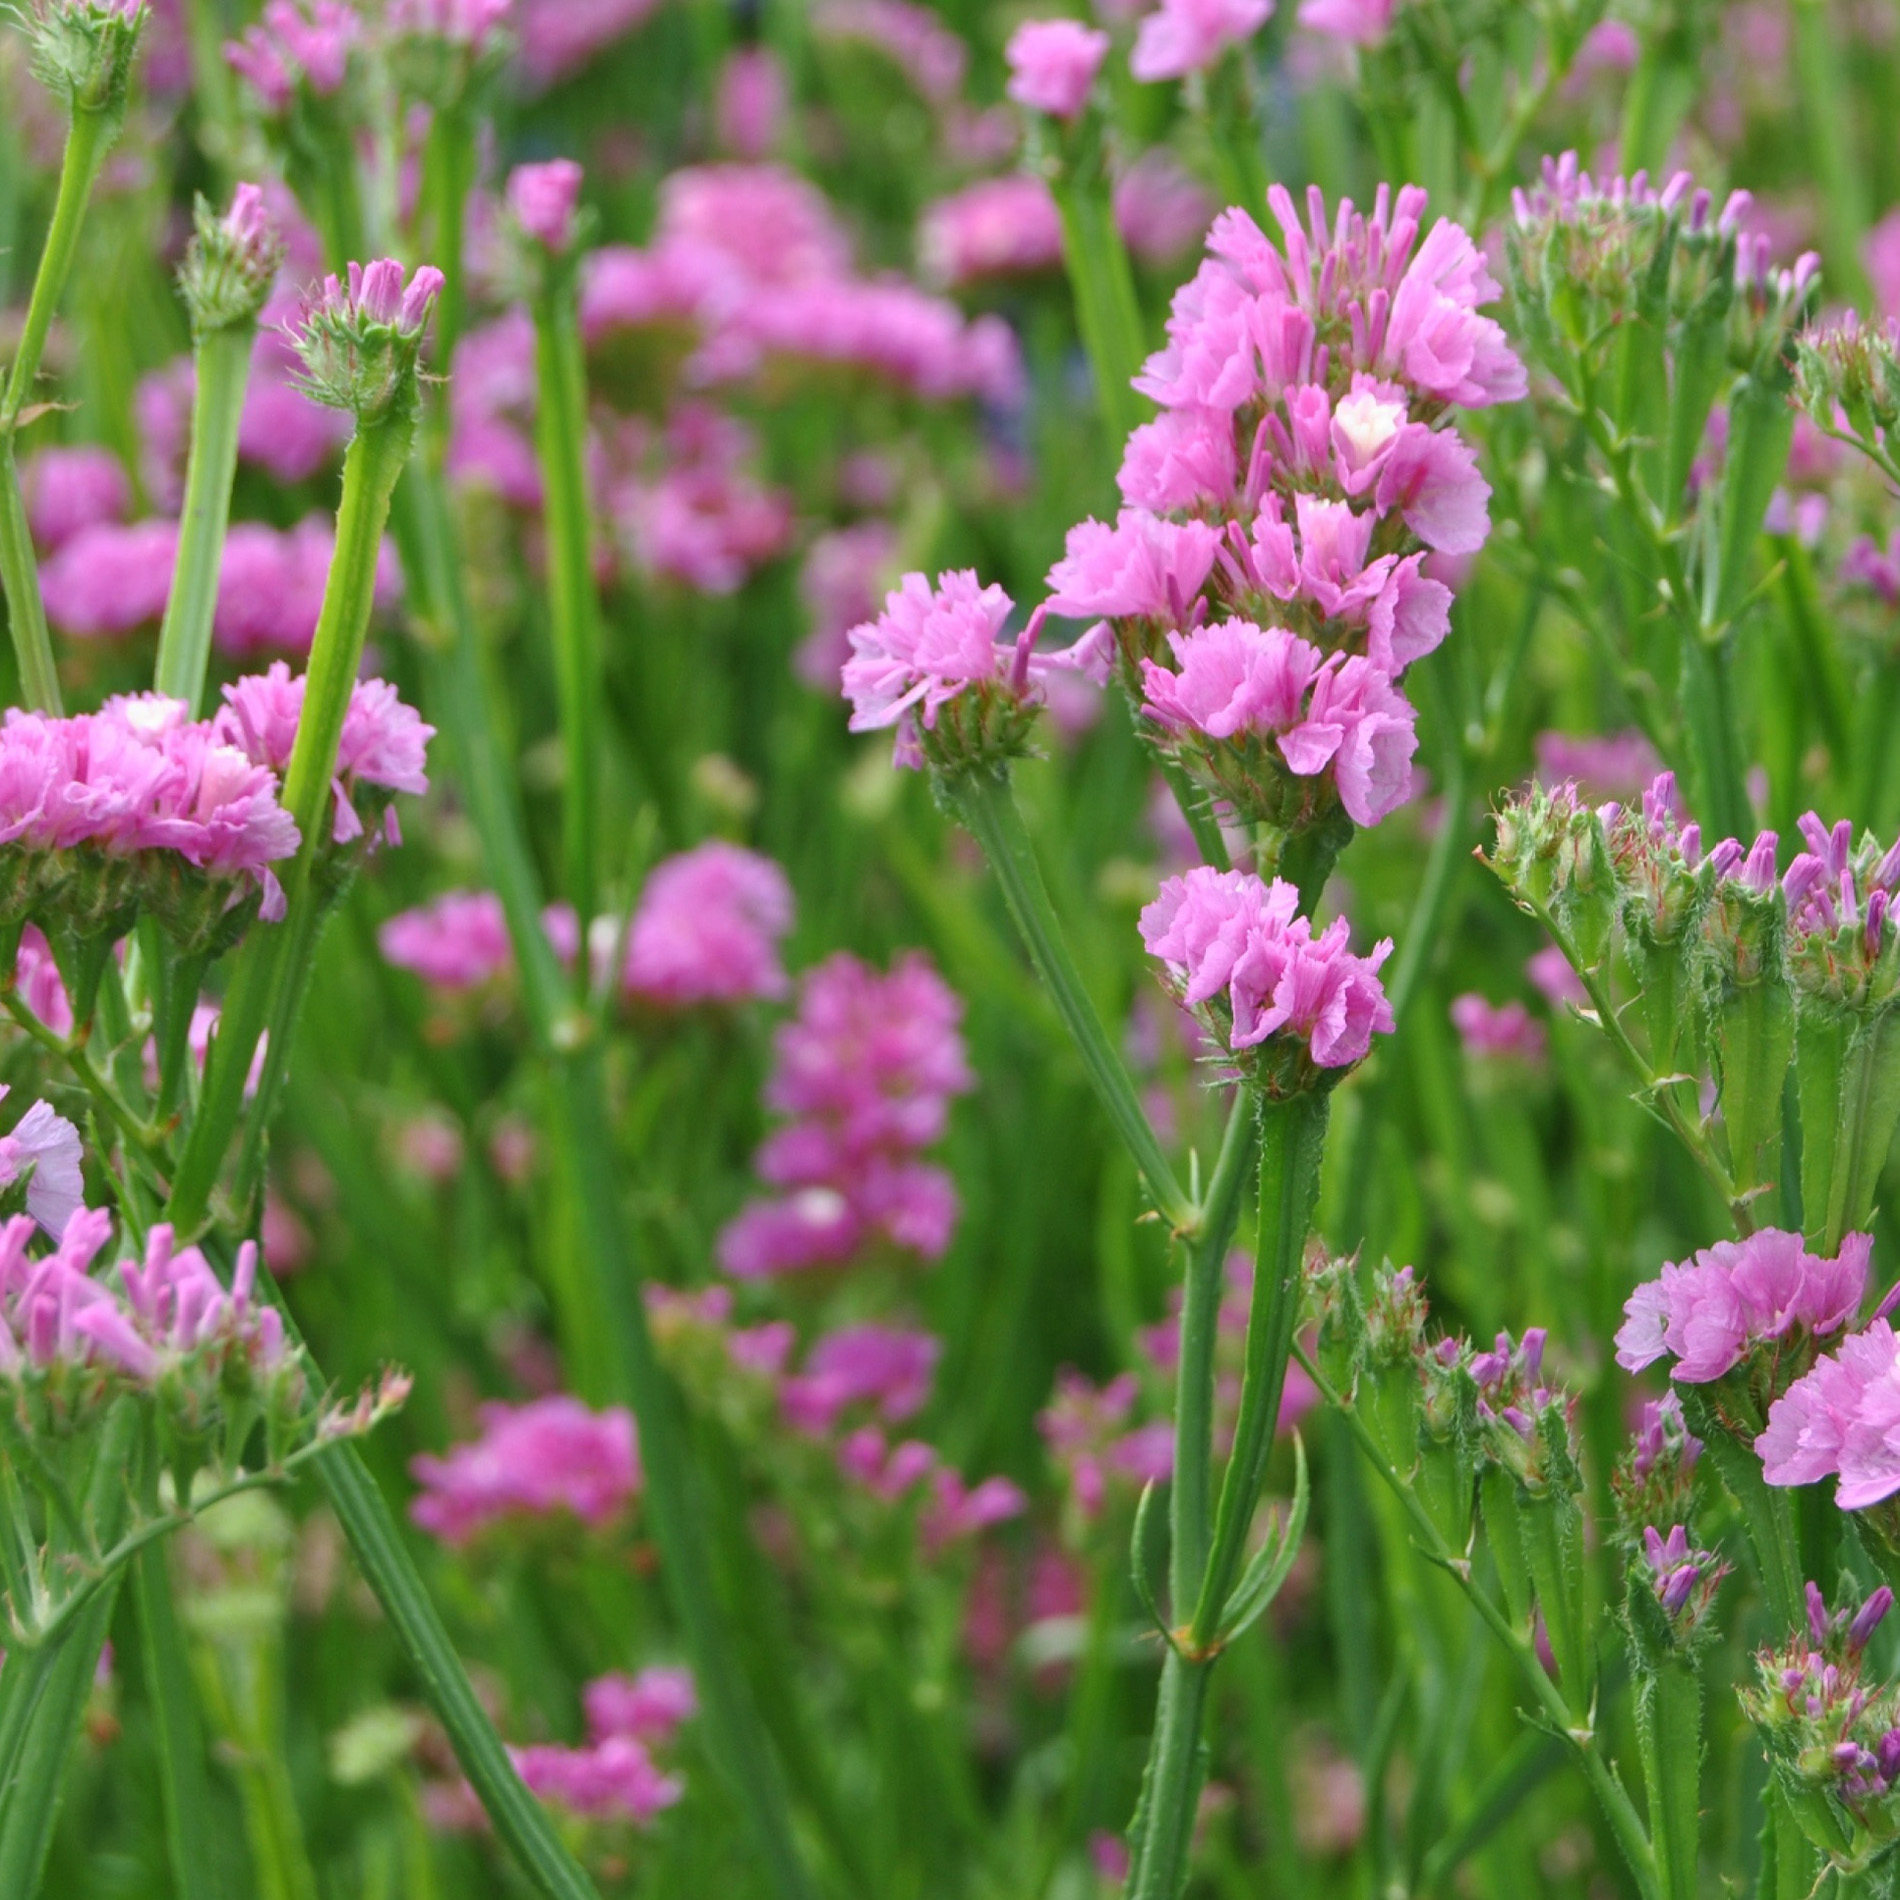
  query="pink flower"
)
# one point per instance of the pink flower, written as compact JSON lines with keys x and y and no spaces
{"x":1497,"y":1029}
{"x":1234,"y":678}
{"x":37,"y":982}
{"x":749,"y":109}
{"x":108,"y":580}
{"x":1842,"y":1418}
{"x":559,"y":37}
{"x":844,"y":576}
{"x":997,"y":227}
{"x":70,"y":489}
{"x":1431,"y":478}
{"x":1709,"y":1313}
{"x":1225,"y":935}
{"x":707,"y":929}
{"x":1183,"y":459}
{"x":547,"y":1456}
{"x":48,"y":1144}
{"x":611,"y":1780}
{"x":1052,"y":65}
{"x":1556,"y":981}
{"x":650,"y":1707}
{"x":543,"y":199}
{"x":1362,"y":725}
{"x":1188,"y":36}
{"x":1142,"y":566}
{"x":1161,"y":208}
{"x":1360,"y":22}
{"x":911,"y":36}
{"x":880,"y":1366}
{"x":308,"y":44}
{"x":459,"y":941}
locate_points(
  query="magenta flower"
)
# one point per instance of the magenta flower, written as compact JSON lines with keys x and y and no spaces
{"x":1358,"y":22}
{"x":997,"y":227}
{"x":650,"y":1707}
{"x":1226,"y":938}
{"x":1188,"y":36}
{"x":883,"y":1367}
{"x":1142,"y":567}
{"x":107,"y":580}
{"x":308,"y":44}
{"x":1711,"y":1312}
{"x":544,"y":198}
{"x":68,"y":490}
{"x":611,"y":1780}
{"x":457,"y":942}
{"x":707,"y":929}
{"x":1490,"y":1029}
{"x":1183,"y":459}
{"x":550,"y":1455}
{"x":1052,"y":65}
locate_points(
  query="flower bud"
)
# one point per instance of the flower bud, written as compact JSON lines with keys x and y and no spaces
{"x":230,"y":263}
{"x":83,"y":50}
{"x":359,"y":340}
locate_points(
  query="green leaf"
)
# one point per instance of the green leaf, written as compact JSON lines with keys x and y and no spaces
{"x":1267,"y":1571}
{"x":1760,"y":428}
{"x":1497,"y":1498}
{"x":1754,"y":1043}
{"x":1767,"y":1512}
{"x":1148,"y":1556}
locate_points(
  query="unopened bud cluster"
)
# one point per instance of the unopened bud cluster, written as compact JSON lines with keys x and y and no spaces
{"x":360,"y":339}
{"x":230,"y":263}
{"x":83,"y":50}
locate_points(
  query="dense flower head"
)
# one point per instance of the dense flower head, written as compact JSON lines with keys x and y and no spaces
{"x":547,"y":1456}
{"x":612,"y":1776}
{"x":1839,"y":895}
{"x":1684,"y":1581}
{"x":1279,"y":729}
{"x":886,"y":1368}
{"x":1841,"y":1420}
{"x":1709,"y":1313}
{"x":934,"y":664}
{"x":1827,"y":1731}
{"x":863,"y":1075}
{"x":1188,"y":36}
{"x":1053,"y":63}
{"x":108,"y":580}
{"x":1654,"y":1480}
{"x":383,"y":749}
{"x":359,"y":337}
{"x":458,"y":941}
{"x":294,"y":45}
{"x":100,"y":814}
{"x":708,"y":927}
{"x":1659,"y":863}
{"x":544,"y":199}
{"x":1237,"y":952}
{"x":83,"y":50}
{"x":997,"y":227}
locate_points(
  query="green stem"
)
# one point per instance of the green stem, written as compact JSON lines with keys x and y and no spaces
{"x":183,"y":1784}
{"x":1107,"y":311}
{"x":1171,"y":1788}
{"x":1669,"y":1733}
{"x":184,"y":640}
{"x":1191,"y":1497}
{"x":573,"y":605}
{"x":612,"y":1281}
{"x":986,"y":804}
{"x":274,"y":958}
{"x":449,"y":162}
{"x":20,"y":580}
{"x":1828,"y":118}
{"x":1292,"y":1140}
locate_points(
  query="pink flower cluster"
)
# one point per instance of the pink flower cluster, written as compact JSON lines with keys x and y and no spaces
{"x":1237,"y":951}
{"x":1839,"y":901}
{"x":1490,"y":1030}
{"x":1302,"y":389}
{"x":932,"y":646}
{"x":613,"y":1776}
{"x":558,"y":38}
{"x":135,"y":777}
{"x":707,"y":929}
{"x":295,"y":44}
{"x":749,"y":262}
{"x":864,"y":1072}
{"x":44,"y":1147}
{"x":912,"y":37}
{"x":549,"y":1455}
{"x":686,"y":504}
{"x":884,"y":1367}
{"x":1711,"y":1312}
{"x":384,"y":748}
{"x":458,"y":941}
{"x":950,"y":1510}
{"x":543,"y":200}
{"x":1052,"y":65}
{"x":1841,"y":1420}
{"x":1189,"y":36}
{"x":67,"y":490}
{"x":169,"y":1320}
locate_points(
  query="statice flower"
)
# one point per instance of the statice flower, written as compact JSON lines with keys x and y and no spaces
{"x":1189,"y":36}
{"x":934,"y":664}
{"x":559,"y":37}
{"x":883,"y":1367}
{"x":651,"y":1707}
{"x":231,"y":261}
{"x":383,"y":750}
{"x":997,"y":227}
{"x":1654,"y":1480}
{"x":949,"y":1510}
{"x":543,"y":200}
{"x":271,"y":584}
{"x":42,"y":1150}
{"x":68,"y":490}
{"x":296,"y":44}
{"x":1839,"y":897}
{"x":864,"y":1074}
{"x":1684,"y":1581}
{"x":1841,"y":1419}
{"x":1708,"y":1314}
{"x":1358,"y":22}
{"x":457,"y":942}
{"x":1052,"y":65}
{"x":359,"y":337}
{"x":107,"y":580}
{"x":708,"y":928}
{"x":1493,"y":1031}
{"x":550,"y":1455}
{"x":1237,"y":953}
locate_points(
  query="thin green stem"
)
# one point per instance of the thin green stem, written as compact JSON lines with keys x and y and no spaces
{"x":1171,"y":1788}
{"x":1578,"y":1730}
{"x":1191,"y":1497}
{"x":987,"y":805}
{"x":20,"y":581}
{"x":1102,"y":282}
{"x":183,"y":1784}
{"x":573,"y":605}
{"x":276,"y":957}
{"x":184,"y":639}
{"x":1292,"y":1138}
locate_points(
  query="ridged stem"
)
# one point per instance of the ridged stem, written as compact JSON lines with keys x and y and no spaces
{"x":182,"y":1782}
{"x":184,"y":637}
